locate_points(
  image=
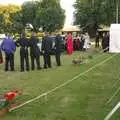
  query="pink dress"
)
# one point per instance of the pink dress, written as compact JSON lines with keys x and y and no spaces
{"x":69,"y":44}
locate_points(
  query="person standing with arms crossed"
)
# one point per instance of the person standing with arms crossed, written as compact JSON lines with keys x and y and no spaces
{"x":58,"y":41}
{"x":46,"y":48}
{"x":97,"y":37}
{"x":34,"y":51}
{"x":24,"y":55}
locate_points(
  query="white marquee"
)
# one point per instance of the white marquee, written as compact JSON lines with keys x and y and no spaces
{"x":114,"y":38}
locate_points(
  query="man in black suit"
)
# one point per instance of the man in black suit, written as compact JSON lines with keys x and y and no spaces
{"x":58,"y":41}
{"x":34,"y":51}
{"x":24,"y":55}
{"x":105,"y":42}
{"x":97,"y":37}
{"x":46,"y":48}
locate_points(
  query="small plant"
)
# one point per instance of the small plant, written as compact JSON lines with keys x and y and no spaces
{"x":7,"y":101}
{"x":79,"y":60}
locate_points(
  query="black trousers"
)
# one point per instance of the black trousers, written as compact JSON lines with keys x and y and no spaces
{"x":37,"y":58}
{"x":47,"y":60}
{"x":57,"y":56}
{"x":97,"y":43}
{"x":9,"y":61}
{"x":24,"y":61}
{"x":1,"y":58}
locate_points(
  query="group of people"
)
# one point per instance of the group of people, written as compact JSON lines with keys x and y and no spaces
{"x":105,"y":41}
{"x":78,"y":43}
{"x":8,"y":46}
{"x":82,"y":42}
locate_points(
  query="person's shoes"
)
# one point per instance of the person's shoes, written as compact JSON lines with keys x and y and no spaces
{"x":27,"y":70}
{"x":45,"y":67}
{"x":32,"y":69}
{"x":40,"y":68}
{"x":58,"y":65}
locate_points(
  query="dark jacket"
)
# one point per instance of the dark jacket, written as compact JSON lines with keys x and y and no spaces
{"x":8,"y":46}
{"x":34,"y":49}
{"x":105,"y":42}
{"x":97,"y":37}
{"x":58,"y":41}
{"x":23,"y":43}
{"x":47,"y":44}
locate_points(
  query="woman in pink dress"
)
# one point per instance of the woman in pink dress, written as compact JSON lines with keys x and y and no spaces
{"x":69,"y":44}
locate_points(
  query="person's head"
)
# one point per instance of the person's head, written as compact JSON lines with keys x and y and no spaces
{"x":33,"y":34}
{"x":46,"y":33}
{"x":63,"y":33}
{"x":8,"y":35}
{"x":86,"y":34}
{"x":58,"y":33}
{"x":69,"y":33}
{"x":23,"y":35}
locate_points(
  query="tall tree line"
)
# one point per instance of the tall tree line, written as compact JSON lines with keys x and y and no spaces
{"x":41,"y":14}
{"x":90,"y":14}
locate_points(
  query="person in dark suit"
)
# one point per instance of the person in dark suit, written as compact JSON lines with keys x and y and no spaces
{"x":24,"y":55}
{"x":46,"y":49}
{"x":34,"y":51}
{"x":105,"y":42}
{"x":97,"y":37}
{"x":58,"y":41}
{"x":82,"y":42}
{"x":9,"y":48}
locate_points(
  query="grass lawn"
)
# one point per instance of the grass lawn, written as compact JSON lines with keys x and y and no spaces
{"x":83,"y":99}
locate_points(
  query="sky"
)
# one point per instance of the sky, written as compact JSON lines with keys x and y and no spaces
{"x":66,"y":4}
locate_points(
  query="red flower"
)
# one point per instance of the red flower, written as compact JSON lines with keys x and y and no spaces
{"x":11,"y":95}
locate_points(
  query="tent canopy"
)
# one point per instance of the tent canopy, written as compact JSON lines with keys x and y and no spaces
{"x":104,"y":28}
{"x":71,"y":29}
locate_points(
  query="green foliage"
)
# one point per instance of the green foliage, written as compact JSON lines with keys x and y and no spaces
{"x":50,"y":15}
{"x":40,"y":14}
{"x":7,"y":22}
{"x":1,"y":23}
{"x":83,"y":99}
{"x":17,"y":24}
{"x":29,"y":12}
{"x":92,"y":13}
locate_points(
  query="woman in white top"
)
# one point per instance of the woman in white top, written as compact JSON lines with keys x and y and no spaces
{"x":87,"y":41}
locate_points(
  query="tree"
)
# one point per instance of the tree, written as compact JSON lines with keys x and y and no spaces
{"x":17,"y":22}
{"x":1,"y":23}
{"x":6,"y":22}
{"x":92,"y":13}
{"x":29,"y":10}
{"x":40,"y":14}
{"x":50,"y":16}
